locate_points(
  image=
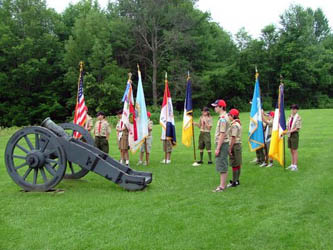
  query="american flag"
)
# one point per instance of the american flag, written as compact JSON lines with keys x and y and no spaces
{"x":81,"y":109}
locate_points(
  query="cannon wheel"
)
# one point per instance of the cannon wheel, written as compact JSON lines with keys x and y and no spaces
{"x":35,"y":160}
{"x":75,"y":171}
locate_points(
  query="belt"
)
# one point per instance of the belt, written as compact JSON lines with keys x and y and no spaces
{"x":100,"y":136}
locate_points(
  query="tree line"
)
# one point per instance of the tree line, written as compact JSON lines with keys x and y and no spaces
{"x":40,"y":51}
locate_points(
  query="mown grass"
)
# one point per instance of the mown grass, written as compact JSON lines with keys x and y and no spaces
{"x":271,"y":209}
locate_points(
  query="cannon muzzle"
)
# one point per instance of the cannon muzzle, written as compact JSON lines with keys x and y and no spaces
{"x":51,"y":125}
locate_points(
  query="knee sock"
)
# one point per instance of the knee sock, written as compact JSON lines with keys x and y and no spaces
{"x":210,"y":156}
{"x":234,"y":174}
{"x":238,"y":173}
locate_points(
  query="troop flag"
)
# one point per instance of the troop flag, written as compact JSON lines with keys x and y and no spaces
{"x":140,"y":116}
{"x":256,"y":130}
{"x":167,"y":120}
{"x":276,"y":149}
{"x":187,"y":132}
{"x":81,"y":110}
{"x":128,"y":115}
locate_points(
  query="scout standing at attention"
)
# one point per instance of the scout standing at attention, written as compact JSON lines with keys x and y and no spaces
{"x":102,"y":132}
{"x":118,"y":129}
{"x":235,"y":146}
{"x":268,"y":134}
{"x":205,"y":124}
{"x":146,"y":146}
{"x":293,"y":125}
{"x":122,"y":133}
{"x":221,"y":143}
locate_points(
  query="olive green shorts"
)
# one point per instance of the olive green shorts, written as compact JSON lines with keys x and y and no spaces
{"x":205,"y":140}
{"x":102,"y":143}
{"x":236,"y":157}
{"x":293,"y":140}
{"x":221,"y":160}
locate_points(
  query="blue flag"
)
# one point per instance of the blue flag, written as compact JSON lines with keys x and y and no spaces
{"x":256,"y":129}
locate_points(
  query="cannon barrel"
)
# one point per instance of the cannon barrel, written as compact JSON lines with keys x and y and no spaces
{"x":49,"y":124}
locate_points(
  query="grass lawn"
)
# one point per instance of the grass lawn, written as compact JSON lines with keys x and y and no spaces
{"x":271,"y":209}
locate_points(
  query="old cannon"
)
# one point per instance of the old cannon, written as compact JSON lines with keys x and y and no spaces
{"x":36,"y":159}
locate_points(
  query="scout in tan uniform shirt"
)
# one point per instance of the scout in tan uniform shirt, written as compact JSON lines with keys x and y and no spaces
{"x":235,"y":147}
{"x":146,"y":146}
{"x":205,"y":124}
{"x":221,"y":143}
{"x":294,"y":124}
{"x":119,"y":133}
{"x":268,"y":120}
{"x":122,"y":138}
{"x":102,"y":132}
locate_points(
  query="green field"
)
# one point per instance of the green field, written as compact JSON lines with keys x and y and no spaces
{"x":271,"y":209}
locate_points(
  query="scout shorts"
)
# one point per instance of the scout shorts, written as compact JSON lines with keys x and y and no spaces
{"x":204,"y":141}
{"x":123,"y":143}
{"x":236,"y":157}
{"x":293,"y":140}
{"x":149,"y":140}
{"x":167,"y":146}
{"x":221,"y":160}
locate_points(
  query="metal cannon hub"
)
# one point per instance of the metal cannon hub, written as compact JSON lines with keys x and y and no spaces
{"x":37,"y":157}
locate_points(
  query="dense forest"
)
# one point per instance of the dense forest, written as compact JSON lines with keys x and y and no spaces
{"x":40,"y":51}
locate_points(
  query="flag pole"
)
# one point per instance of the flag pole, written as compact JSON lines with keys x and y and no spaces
{"x":194,"y":154}
{"x":78,"y":86}
{"x":284,"y":142}
{"x":263,"y":128}
{"x":165,"y":141}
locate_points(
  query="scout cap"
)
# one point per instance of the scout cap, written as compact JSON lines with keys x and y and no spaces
{"x":205,"y":109}
{"x":148,"y":114}
{"x":219,"y":103}
{"x":234,"y":112}
{"x":271,"y":113}
{"x":100,"y":113}
{"x":294,"y":106}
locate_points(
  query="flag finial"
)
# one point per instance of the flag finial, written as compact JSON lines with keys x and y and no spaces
{"x":166,"y":75}
{"x":188,"y":75}
{"x":130,"y":76}
{"x":81,"y":66}
{"x":138,"y":66}
{"x":257,"y":74}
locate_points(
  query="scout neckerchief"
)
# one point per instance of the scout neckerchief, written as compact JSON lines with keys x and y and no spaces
{"x":293,"y":120}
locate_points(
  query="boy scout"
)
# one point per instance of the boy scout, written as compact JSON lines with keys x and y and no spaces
{"x":294,"y":124}
{"x":146,"y":146}
{"x":268,"y":120}
{"x":205,"y":125}
{"x":235,"y":146}
{"x":102,"y":131}
{"x":221,"y":143}
{"x":123,"y":143}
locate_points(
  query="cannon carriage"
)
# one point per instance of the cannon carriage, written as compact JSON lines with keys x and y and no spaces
{"x":37,"y":157}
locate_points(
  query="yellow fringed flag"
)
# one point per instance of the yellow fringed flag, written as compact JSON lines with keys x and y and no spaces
{"x":187,"y":132}
{"x":276,"y":149}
